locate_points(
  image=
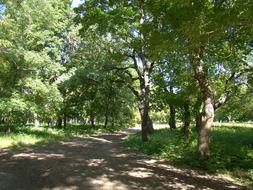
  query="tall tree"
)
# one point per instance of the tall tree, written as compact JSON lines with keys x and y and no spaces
{"x":125,"y":23}
{"x":31,"y":31}
{"x":200,"y":29}
{"x":93,"y":89}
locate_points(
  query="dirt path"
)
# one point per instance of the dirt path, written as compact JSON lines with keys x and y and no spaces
{"x":96,"y":163}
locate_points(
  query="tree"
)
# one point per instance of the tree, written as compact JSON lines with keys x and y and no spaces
{"x":92,"y":89}
{"x":125,"y":23}
{"x":200,"y":30}
{"x":31,"y":33}
{"x":175,"y":88}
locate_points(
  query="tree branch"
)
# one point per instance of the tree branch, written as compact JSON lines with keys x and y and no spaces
{"x":136,"y":65}
{"x":227,"y":93}
{"x":151,"y":67}
{"x":135,"y":92}
{"x":117,"y":68}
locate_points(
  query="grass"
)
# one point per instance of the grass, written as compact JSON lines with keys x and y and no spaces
{"x":233,"y":124}
{"x":28,"y":135}
{"x":231,"y":150}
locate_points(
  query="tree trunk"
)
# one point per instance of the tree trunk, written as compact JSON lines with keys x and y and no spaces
{"x":112,"y":122}
{"x":197,"y":112}
{"x":107,"y":106}
{"x":207,"y":114}
{"x":197,"y":120}
{"x":144,"y":78}
{"x":106,"y":120}
{"x":59,"y":121}
{"x":150,"y":125}
{"x":50,"y":122}
{"x":26,"y":118}
{"x":64,"y":120}
{"x":172,"y":117}
{"x":143,"y":109}
{"x":107,"y":111}
{"x":36,"y":120}
{"x":187,"y":119}
{"x":92,"y":121}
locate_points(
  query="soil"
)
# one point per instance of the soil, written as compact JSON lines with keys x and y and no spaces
{"x":98,"y":162}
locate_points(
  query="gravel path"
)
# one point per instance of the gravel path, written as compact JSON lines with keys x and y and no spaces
{"x":99,"y":162}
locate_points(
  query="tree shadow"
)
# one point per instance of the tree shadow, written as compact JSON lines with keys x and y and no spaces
{"x":96,"y":162}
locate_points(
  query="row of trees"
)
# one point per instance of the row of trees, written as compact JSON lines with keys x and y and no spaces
{"x":109,"y":57}
{"x":170,"y":43}
{"x":49,"y":74}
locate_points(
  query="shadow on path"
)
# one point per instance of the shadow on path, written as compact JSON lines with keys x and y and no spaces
{"x":96,"y":163}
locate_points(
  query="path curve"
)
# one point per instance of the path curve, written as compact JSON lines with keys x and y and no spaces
{"x":99,"y":162}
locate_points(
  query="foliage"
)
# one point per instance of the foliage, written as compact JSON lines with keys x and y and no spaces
{"x":239,"y":108}
{"x":30,"y":55}
{"x":231,"y":150}
{"x":93,"y":90}
{"x":159,"y":117}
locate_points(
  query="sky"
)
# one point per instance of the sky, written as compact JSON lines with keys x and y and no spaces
{"x":2,"y":8}
{"x":76,"y":2}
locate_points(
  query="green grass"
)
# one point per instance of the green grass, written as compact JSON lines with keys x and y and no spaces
{"x":233,"y":124}
{"x":28,"y":135}
{"x":231,"y":150}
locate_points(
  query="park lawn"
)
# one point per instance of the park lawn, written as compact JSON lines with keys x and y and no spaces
{"x":231,"y":150}
{"x":15,"y":136}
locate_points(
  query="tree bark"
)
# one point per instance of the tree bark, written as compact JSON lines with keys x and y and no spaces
{"x":106,"y":120}
{"x":50,"y":122}
{"x":92,"y":121}
{"x":187,"y":119}
{"x":144,"y":78}
{"x":143,"y":73}
{"x":36,"y":120}
{"x":26,"y":118}
{"x":206,"y":123}
{"x":64,"y":120}
{"x":112,"y":121}
{"x":172,"y":117}
{"x":59,"y":121}
{"x":207,"y":114}
{"x":107,"y":107}
{"x":150,"y":125}
{"x":143,"y":109}
{"x":197,"y":112}
{"x":197,"y":120}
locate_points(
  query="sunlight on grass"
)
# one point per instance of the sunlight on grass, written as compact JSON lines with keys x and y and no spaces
{"x":15,"y":140}
{"x":20,"y":136}
{"x":28,"y":135}
{"x":6,"y":142}
{"x":233,"y":124}
{"x":231,"y":150}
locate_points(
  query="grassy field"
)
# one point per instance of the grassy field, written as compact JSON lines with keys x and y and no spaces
{"x":231,"y":150}
{"x":15,"y":136}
